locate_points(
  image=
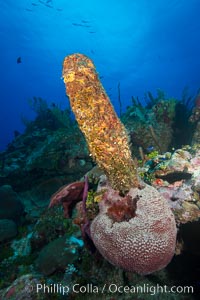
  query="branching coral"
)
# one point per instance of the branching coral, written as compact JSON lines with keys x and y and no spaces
{"x":106,"y":136}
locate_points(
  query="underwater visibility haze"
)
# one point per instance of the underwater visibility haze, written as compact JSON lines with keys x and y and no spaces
{"x":100,"y":149}
{"x":143,"y":44}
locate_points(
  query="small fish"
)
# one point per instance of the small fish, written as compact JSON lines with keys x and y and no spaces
{"x":81,"y":25}
{"x":150,"y":149}
{"x":76,"y":24}
{"x":19,"y":60}
{"x":27,"y":9}
{"x":84,"y":21}
{"x":47,"y":5}
{"x":34,"y":4}
{"x":92,"y":31}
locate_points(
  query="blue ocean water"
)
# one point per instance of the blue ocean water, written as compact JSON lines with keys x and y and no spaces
{"x":141,"y":44}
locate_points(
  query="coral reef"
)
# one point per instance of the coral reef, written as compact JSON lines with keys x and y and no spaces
{"x":52,"y":155}
{"x":148,"y":125}
{"x":195,"y":119}
{"x":176,"y":177}
{"x":52,"y":147}
{"x":50,"y":117}
{"x":106,"y":136}
{"x":162,"y":119}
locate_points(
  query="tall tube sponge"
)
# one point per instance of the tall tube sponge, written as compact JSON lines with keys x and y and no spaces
{"x":105,"y":135}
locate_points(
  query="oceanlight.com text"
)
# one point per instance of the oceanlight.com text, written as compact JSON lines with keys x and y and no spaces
{"x":110,"y":289}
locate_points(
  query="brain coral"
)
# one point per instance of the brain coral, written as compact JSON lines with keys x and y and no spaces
{"x":146,"y":242}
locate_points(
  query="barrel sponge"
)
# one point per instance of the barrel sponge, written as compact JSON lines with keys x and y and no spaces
{"x":105,"y":134}
{"x":144,"y":243}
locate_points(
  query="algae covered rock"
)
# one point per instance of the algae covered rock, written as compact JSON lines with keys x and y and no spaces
{"x":8,"y":229}
{"x":58,"y":254}
{"x":10,"y":204}
{"x":23,"y":287}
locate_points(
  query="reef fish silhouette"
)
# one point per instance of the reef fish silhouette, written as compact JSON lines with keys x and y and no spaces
{"x":19,"y":60}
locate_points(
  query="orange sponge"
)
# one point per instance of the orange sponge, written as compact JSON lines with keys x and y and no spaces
{"x":105,"y":134}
